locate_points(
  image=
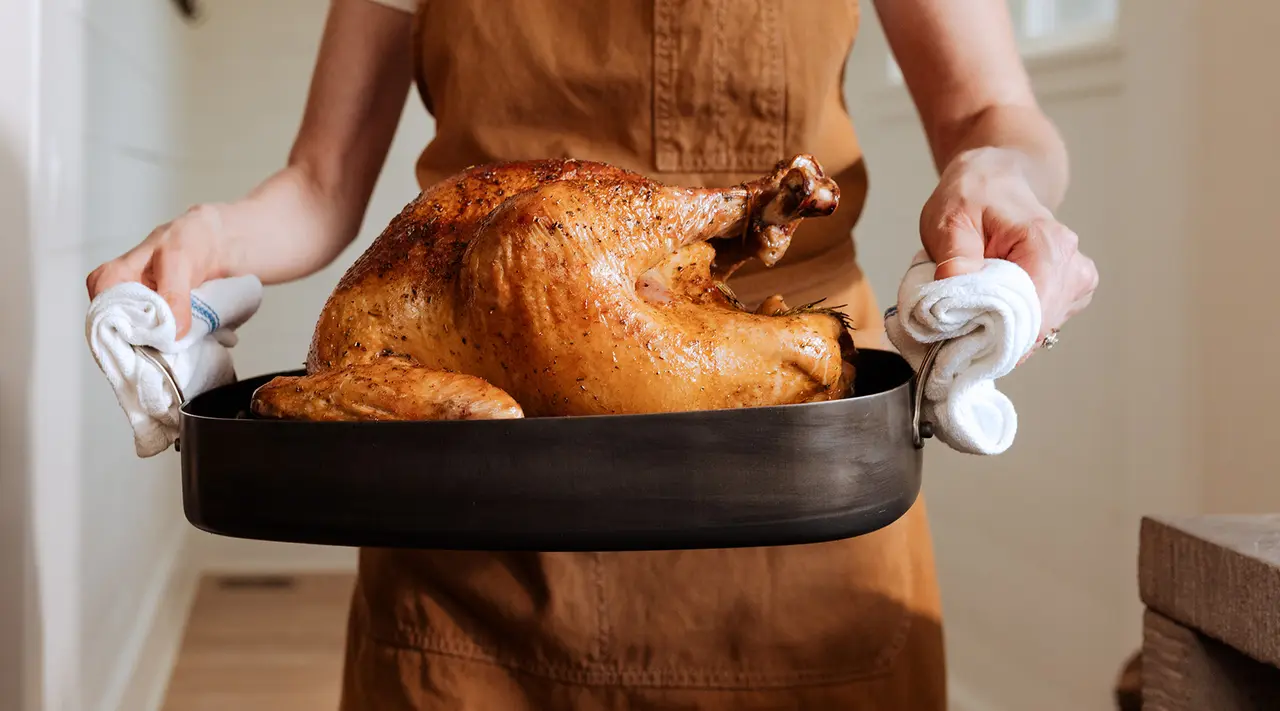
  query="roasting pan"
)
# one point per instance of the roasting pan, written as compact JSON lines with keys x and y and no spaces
{"x":711,"y":479}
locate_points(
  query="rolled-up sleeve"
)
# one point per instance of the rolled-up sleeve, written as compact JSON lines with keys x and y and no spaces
{"x":406,"y":5}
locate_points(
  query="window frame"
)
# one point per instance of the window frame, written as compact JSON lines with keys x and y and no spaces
{"x":1041,"y":36}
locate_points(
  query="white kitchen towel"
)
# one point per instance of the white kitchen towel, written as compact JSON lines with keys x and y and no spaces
{"x":130,"y":314}
{"x":989,"y":320}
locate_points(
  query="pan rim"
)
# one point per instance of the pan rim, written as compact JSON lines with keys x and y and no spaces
{"x":887,"y":360}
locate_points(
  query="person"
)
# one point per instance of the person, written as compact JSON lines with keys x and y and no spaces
{"x":690,"y":93}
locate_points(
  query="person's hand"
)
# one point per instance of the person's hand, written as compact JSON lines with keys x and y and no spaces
{"x":985,"y":207}
{"x":173,"y":259}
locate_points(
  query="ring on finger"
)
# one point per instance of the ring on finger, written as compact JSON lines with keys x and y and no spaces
{"x":1050,"y":340}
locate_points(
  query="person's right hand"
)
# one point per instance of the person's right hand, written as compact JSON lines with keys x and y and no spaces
{"x":173,"y":259}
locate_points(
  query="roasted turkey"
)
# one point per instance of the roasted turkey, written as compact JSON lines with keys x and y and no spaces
{"x":566,"y":287}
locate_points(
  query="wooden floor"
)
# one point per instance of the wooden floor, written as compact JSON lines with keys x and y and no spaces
{"x":268,"y":644}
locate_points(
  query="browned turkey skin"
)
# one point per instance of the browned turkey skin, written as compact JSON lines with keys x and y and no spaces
{"x":563,"y":287}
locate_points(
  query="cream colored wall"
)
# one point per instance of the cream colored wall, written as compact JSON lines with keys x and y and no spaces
{"x":1236,"y":244}
{"x":1157,"y":400}
{"x":241,"y":110}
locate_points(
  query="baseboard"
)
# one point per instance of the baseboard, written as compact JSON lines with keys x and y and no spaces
{"x":962,"y":697}
{"x":222,"y":555}
{"x":147,"y":658}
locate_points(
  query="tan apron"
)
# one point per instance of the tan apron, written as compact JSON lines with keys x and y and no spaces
{"x":692,"y":93}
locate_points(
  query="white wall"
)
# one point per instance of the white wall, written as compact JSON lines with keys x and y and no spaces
{"x":40,"y":152}
{"x":83,"y":521}
{"x":131,"y":525}
{"x":83,"y":177}
{"x":20,"y":649}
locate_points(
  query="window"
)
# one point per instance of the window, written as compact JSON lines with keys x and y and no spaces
{"x":1038,"y":22}
{"x":1038,"y":19}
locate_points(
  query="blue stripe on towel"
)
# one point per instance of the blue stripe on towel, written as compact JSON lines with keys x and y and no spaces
{"x":205,"y":312}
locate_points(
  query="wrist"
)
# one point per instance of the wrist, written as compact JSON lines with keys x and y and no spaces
{"x":991,"y":160}
{"x":226,"y":255}
{"x":275,"y":231}
{"x":1002,"y":164}
{"x":1011,"y":140}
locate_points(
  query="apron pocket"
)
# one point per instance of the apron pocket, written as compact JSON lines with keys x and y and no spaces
{"x":719,"y":85}
{"x":534,"y":611}
{"x":759,"y":617}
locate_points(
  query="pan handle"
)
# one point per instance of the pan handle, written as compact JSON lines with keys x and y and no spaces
{"x":922,"y":429}
{"x":153,"y":356}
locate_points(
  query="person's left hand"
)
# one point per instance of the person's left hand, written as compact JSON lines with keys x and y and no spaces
{"x":984,"y":207}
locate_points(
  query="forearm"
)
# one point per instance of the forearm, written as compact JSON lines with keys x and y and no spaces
{"x":286,"y":228}
{"x":1024,"y":135}
{"x":300,"y":219}
{"x":961,"y":63}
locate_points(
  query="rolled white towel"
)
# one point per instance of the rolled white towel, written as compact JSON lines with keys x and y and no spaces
{"x":990,"y":320}
{"x":130,"y":314}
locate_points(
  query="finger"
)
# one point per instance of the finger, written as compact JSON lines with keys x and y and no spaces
{"x":1035,"y":347}
{"x":104,"y":277}
{"x":1047,"y":251}
{"x":1049,"y":290}
{"x":1078,"y":306}
{"x":955,"y":243}
{"x":1079,"y":281}
{"x":130,"y":266}
{"x":1087,"y":278}
{"x":117,"y":271}
{"x":172,"y":272}
{"x":1086,"y":284}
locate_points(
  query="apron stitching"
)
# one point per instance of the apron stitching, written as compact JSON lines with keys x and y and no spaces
{"x":595,"y":672}
{"x":884,"y":661}
{"x":655,"y":678}
{"x":664,"y":67}
{"x":718,"y":148}
{"x":776,"y":91}
{"x":901,"y":636}
{"x":602,"y":619}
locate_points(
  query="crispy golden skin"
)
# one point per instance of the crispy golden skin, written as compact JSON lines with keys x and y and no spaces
{"x":570,"y":288}
{"x":387,"y":389}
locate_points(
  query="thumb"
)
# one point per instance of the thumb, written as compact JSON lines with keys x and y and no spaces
{"x":956,"y":246}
